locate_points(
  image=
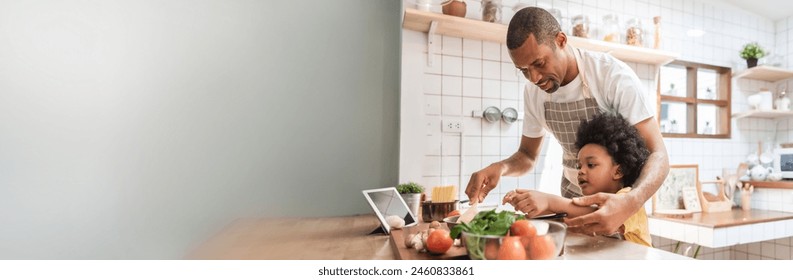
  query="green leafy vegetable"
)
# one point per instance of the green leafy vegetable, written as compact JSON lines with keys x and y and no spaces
{"x":485,"y":223}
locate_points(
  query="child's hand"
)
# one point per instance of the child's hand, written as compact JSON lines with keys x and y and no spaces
{"x":533,"y":203}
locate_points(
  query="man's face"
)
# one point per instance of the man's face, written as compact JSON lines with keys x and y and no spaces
{"x":541,"y":64}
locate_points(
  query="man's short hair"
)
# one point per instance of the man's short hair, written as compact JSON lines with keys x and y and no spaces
{"x":532,"y":20}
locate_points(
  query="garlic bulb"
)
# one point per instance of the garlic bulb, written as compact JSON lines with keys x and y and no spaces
{"x":395,"y":221}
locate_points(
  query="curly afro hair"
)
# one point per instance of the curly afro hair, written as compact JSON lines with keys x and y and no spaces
{"x":621,"y":140}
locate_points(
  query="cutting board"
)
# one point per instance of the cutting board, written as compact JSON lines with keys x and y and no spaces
{"x":401,"y":252}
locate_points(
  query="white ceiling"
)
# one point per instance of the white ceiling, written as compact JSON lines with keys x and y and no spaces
{"x":771,"y":9}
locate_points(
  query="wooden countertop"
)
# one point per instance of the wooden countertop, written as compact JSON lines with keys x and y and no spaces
{"x":343,"y":238}
{"x":735,"y":217}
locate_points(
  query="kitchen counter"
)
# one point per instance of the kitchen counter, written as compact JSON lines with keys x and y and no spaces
{"x":344,"y":238}
{"x":722,"y":229}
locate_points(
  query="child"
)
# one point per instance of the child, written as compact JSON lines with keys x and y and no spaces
{"x":611,"y":155}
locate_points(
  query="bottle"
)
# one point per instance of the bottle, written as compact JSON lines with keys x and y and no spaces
{"x":657,"y":42}
{"x":491,"y":10}
{"x":581,"y":26}
{"x":782,"y":102}
{"x":611,"y":29}
{"x":708,"y":128}
{"x":633,"y":33}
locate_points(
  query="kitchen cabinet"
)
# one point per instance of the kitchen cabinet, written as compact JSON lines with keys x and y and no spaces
{"x":723,"y":229}
{"x":435,"y":23}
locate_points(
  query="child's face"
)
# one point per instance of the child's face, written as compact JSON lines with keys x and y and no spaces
{"x":598,"y":172}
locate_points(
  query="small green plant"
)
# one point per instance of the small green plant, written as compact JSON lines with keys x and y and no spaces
{"x":752,"y":50}
{"x":410,"y":187}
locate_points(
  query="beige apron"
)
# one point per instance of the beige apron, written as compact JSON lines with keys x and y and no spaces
{"x":563,"y":119}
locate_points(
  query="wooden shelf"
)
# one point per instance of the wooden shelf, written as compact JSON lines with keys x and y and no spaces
{"x":771,"y":185}
{"x":766,"y":114}
{"x":765,"y":73}
{"x":475,"y":29}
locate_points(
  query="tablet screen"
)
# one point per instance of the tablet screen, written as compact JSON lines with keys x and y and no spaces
{"x":387,"y":202}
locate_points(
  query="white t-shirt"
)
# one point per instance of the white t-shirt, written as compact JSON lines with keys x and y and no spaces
{"x":613,"y":84}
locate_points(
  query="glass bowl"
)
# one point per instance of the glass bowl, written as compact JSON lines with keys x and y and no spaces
{"x":547,"y":244}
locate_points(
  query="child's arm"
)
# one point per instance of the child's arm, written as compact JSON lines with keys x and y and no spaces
{"x":535,"y":203}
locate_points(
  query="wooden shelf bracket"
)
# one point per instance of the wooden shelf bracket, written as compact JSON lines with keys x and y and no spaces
{"x":431,"y":43}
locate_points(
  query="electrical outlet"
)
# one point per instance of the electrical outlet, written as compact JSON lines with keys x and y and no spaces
{"x":452,"y":125}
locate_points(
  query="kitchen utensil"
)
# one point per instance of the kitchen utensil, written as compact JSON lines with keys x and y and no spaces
{"x":469,"y":214}
{"x":547,"y":244}
{"x":436,"y":211}
{"x":491,"y":114}
{"x":451,"y":221}
{"x":759,"y":172}
{"x":509,"y":115}
{"x":754,"y":101}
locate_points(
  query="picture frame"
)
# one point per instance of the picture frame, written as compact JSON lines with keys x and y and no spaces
{"x":678,"y":193}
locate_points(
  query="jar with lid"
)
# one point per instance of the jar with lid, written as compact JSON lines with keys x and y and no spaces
{"x":491,"y":10}
{"x":634,"y":32}
{"x":581,"y":26}
{"x":611,"y":29}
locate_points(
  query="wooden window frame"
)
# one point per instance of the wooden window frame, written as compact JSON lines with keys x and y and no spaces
{"x":723,"y":94}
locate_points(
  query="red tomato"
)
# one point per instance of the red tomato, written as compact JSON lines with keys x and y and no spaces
{"x":511,"y":249}
{"x":541,"y":248}
{"x":491,"y":249}
{"x":439,"y":241}
{"x":523,"y":228}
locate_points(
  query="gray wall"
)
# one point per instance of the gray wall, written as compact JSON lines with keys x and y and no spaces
{"x":138,"y":129}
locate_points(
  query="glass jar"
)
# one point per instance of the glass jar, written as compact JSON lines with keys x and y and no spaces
{"x":580,"y":26}
{"x":611,"y":29}
{"x":634,"y":32}
{"x":491,"y":10}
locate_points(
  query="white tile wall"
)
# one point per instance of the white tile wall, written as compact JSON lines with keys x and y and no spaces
{"x":470,"y":73}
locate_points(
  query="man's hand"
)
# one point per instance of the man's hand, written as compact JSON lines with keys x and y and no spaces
{"x":533,"y":203}
{"x":613,"y":211}
{"x":482,"y":182}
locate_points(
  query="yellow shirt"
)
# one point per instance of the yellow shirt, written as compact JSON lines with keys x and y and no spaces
{"x":636,"y":229}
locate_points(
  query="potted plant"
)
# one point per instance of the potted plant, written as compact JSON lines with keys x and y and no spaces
{"x":751,"y":52}
{"x":411,"y":193}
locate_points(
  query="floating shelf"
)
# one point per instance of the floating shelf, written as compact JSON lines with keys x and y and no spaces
{"x":770,"y":184}
{"x":475,"y":29}
{"x":765,"y":73}
{"x":767,"y":114}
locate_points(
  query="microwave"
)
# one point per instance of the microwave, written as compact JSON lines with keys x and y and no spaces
{"x":783,"y":161}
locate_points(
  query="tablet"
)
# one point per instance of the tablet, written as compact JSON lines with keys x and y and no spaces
{"x":387,"y":202}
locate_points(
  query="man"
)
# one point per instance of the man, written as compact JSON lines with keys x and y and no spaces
{"x":570,"y":85}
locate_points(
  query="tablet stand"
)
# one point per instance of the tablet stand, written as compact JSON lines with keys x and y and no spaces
{"x":378,"y":230}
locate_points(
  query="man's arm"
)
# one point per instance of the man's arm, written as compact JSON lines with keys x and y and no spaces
{"x":485,"y":180}
{"x":614,"y":210}
{"x":657,"y":165}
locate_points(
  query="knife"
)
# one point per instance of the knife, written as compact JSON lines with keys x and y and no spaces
{"x":469,"y":214}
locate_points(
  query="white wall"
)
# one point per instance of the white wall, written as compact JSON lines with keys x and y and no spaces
{"x":136,"y":129}
{"x":471,"y":75}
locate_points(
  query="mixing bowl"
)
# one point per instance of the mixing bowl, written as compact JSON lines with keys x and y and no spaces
{"x":547,"y":244}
